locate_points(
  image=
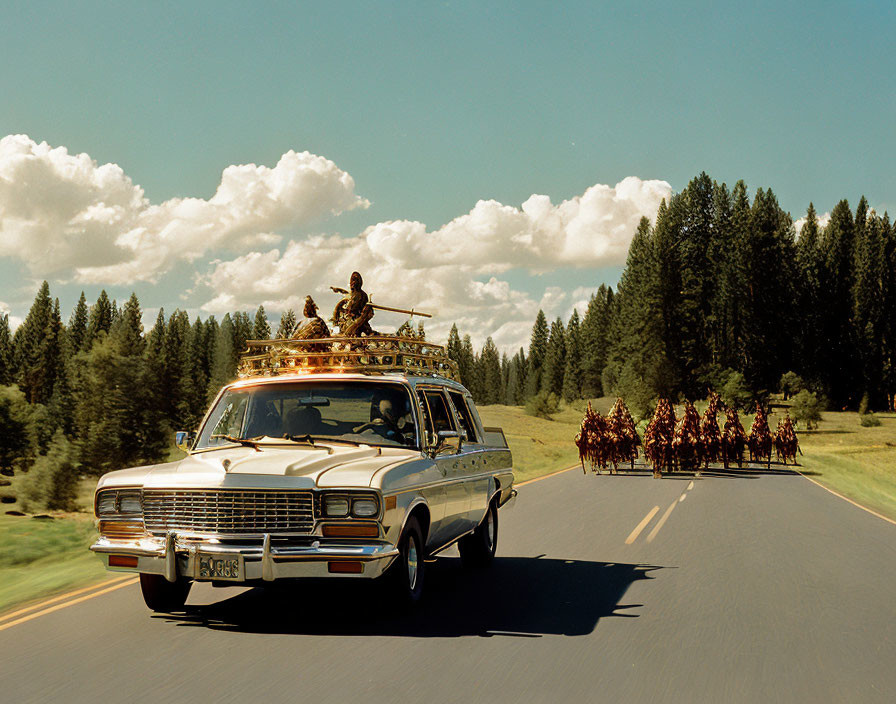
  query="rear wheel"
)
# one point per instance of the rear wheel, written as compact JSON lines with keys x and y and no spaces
{"x":408,"y":571}
{"x":162,"y":595}
{"x":478,"y":548}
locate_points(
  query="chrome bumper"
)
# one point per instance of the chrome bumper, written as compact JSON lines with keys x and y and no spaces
{"x":174,"y":557}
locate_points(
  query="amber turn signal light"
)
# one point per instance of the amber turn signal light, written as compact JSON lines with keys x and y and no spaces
{"x":122,"y":561}
{"x":355,"y":530}
{"x":344,"y":567}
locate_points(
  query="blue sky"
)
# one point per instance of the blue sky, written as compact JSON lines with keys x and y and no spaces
{"x":430,"y":108}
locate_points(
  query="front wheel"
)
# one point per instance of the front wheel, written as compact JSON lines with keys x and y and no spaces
{"x":408,"y":571}
{"x":162,"y":595}
{"x":478,"y":548}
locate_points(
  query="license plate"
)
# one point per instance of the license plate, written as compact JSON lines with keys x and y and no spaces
{"x":219,"y":567}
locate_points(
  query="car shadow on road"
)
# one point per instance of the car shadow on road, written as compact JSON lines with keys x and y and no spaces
{"x":516,"y":596}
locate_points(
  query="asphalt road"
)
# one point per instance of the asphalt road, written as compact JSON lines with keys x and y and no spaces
{"x":756,"y":587}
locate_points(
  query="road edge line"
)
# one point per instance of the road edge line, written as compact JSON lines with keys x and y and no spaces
{"x":547,"y":476}
{"x":65,"y":604}
{"x":60,"y":597}
{"x":846,"y":498}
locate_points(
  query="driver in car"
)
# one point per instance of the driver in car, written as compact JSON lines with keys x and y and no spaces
{"x":386,"y":422}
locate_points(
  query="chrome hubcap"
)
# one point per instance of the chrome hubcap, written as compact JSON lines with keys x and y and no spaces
{"x":412,"y":564}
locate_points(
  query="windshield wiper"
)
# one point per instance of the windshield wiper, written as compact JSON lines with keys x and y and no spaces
{"x":306,"y":440}
{"x":245,"y":442}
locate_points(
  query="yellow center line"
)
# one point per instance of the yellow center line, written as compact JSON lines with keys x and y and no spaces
{"x":656,"y":528}
{"x":633,"y":536}
{"x":682,"y":498}
{"x":690,"y":486}
{"x":65,"y":604}
{"x":61,"y":597}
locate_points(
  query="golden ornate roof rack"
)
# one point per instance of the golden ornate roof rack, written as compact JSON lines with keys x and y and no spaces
{"x":376,"y":354}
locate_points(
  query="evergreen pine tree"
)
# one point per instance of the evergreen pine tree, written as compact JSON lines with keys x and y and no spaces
{"x":837,"y":357}
{"x":261,"y":330}
{"x":223,"y":369}
{"x":59,"y":404}
{"x":36,"y":348}
{"x":538,"y":346}
{"x":242,"y":331}
{"x":195,"y":378}
{"x":888,"y":343}
{"x":177,"y":349}
{"x":155,"y":373}
{"x":555,"y":359}
{"x":769,"y":266}
{"x":77,"y":326}
{"x":100,"y":320}
{"x":868,"y":311}
{"x":469,"y":371}
{"x":572,"y":373}
{"x":452,"y":349}
{"x":287,"y":325}
{"x":129,"y":329}
{"x":810,"y":264}
{"x":520,"y":368}
{"x":597,"y":335}
{"x":6,"y":359}
{"x":638,"y":366}
{"x":490,"y":373}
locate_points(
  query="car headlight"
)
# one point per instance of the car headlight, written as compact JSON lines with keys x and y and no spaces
{"x":335,"y":507}
{"x":119,"y":502}
{"x":364,"y":508}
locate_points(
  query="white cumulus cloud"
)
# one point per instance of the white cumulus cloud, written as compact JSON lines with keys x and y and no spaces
{"x":65,"y":215}
{"x":453,"y":271}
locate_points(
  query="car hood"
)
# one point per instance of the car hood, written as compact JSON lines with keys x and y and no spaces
{"x":272,"y":467}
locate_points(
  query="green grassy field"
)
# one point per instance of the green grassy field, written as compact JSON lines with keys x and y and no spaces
{"x":40,"y":557}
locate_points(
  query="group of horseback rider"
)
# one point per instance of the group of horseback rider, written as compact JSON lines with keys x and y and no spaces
{"x":672,"y":444}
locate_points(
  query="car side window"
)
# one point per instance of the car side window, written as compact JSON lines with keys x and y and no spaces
{"x":464,"y":418}
{"x":439,"y":416}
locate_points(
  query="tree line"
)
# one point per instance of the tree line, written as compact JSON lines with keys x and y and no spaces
{"x":720,"y":290}
{"x":98,"y":393}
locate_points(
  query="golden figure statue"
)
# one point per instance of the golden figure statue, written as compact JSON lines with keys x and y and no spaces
{"x":314,"y":326}
{"x":353,"y":313}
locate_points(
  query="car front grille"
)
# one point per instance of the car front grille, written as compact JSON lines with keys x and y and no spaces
{"x":227,"y":512}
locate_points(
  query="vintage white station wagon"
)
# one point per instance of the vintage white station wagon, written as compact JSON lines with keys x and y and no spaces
{"x":359,"y":465}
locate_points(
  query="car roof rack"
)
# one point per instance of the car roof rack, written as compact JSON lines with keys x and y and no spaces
{"x":374,"y":354}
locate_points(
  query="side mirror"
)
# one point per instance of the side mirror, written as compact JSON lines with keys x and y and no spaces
{"x":448,"y":441}
{"x":184,"y":440}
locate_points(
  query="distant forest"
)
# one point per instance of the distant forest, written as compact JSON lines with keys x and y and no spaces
{"x":719,"y":291}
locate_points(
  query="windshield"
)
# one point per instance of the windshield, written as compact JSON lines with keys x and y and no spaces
{"x":362,"y":412}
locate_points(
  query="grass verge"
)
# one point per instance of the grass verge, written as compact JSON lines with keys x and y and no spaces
{"x":41,"y":557}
